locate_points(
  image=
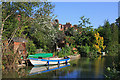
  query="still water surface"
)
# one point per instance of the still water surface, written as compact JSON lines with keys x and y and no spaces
{"x":79,"y":68}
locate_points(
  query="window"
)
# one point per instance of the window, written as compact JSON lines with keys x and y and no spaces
{"x":61,"y":26}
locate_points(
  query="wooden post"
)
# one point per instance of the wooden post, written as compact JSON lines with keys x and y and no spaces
{"x":27,"y":62}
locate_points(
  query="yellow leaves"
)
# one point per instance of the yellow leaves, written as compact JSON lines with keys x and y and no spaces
{"x":104,"y":47}
{"x":97,"y":33}
{"x":102,"y":38}
{"x":99,"y":42}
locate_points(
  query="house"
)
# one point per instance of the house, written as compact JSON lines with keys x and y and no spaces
{"x":20,"y":45}
{"x":75,"y":27}
{"x":17,"y":45}
{"x":61,"y":27}
{"x":67,"y":25}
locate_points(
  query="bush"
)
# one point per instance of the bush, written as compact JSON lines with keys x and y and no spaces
{"x":112,"y":74}
{"x":30,"y":47}
{"x":84,"y":50}
{"x":65,"y":51}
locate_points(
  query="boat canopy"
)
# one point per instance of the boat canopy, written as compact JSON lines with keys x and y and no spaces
{"x":43,"y":55}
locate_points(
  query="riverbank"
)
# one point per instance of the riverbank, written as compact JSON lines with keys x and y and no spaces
{"x":25,"y":63}
{"x":75,"y":56}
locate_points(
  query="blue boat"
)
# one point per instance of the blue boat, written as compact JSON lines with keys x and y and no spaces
{"x":48,"y":61}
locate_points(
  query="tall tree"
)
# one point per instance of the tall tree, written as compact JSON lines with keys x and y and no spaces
{"x":118,"y":24}
{"x":107,"y":35}
{"x":11,"y":9}
{"x":114,"y":31}
{"x":43,"y":31}
{"x":16,"y":20}
{"x":12,"y":13}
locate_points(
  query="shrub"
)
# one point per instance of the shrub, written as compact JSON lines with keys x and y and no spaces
{"x":30,"y":47}
{"x":65,"y":51}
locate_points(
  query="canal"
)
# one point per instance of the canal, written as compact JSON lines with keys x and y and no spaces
{"x":79,"y":68}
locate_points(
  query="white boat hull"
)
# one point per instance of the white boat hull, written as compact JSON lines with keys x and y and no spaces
{"x":51,"y":61}
{"x":35,"y":62}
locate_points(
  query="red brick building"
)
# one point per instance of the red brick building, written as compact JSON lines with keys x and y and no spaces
{"x":61,"y":27}
{"x":67,"y":25}
{"x":18,"y":45}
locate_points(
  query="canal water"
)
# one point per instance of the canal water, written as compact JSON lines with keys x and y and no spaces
{"x":79,"y":68}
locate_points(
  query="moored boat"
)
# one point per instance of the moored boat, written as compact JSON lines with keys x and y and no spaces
{"x":48,"y":61}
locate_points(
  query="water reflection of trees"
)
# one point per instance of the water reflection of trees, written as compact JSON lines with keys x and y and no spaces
{"x":99,"y":65}
{"x":18,"y":73}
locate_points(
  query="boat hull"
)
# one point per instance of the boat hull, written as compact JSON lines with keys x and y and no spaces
{"x":36,"y":62}
{"x":51,"y":61}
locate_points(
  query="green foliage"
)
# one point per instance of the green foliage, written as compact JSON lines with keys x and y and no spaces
{"x":9,"y":26}
{"x":56,"y":26}
{"x":38,"y":27}
{"x":110,"y":34}
{"x":114,"y":30}
{"x":70,"y":32}
{"x":84,"y":50}
{"x":85,"y":37}
{"x":106,"y":33}
{"x":112,"y":73}
{"x":30,"y":20}
{"x":65,"y":51}
{"x":30,"y":47}
{"x":10,"y":12}
{"x":45,"y":49}
{"x":114,"y":51}
{"x":118,"y":25}
{"x":42,"y":33}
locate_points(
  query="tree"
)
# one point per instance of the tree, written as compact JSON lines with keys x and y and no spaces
{"x":11,"y":19}
{"x":21,"y":26}
{"x":106,"y":34}
{"x":85,"y":36}
{"x":114,"y":31}
{"x":99,"y":45}
{"x":110,"y":34}
{"x":43,"y":33}
{"x":85,"y":32}
{"x":11,"y":9}
{"x":118,"y":24}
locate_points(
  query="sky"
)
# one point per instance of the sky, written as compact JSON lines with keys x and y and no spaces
{"x":98,"y":12}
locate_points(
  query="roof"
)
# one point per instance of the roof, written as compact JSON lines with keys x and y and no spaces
{"x":21,"y":47}
{"x":18,"y":39}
